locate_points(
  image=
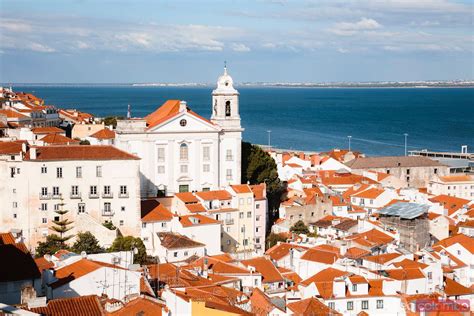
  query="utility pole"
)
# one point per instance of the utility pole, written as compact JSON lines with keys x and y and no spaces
{"x":406,"y":141}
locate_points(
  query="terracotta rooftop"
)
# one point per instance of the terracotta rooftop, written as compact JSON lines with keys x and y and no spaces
{"x":453,"y":288}
{"x":140,"y":306}
{"x":457,"y":178}
{"x":177,"y":241}
{"x":153,"y":211}
{"x":450,"y":203}
{"x":262,"y":304}
{"x":77,"y":306}
{"x":281,"y":250}
{"x":187,"y":197}
{"x":356,"y":253}
{"x":195,"y":208}
{"x":383,"y":258}
{"x":241,"y":188}
{"x":196,"y":220}
{"x":319,"y":255}
{"x":78,"y":152}
{"x":7,"y":148}
{"x":405,"y":274}
{"x":59,"y":139}
{"x":104,"y":134}
{"x":47,"y":130}
{"x":392,"y":162}
{"x":310,"y":307}
{"x":259,"y":191}
{"x":214,"y":195}
{"x":264,"y":266}
{"x":465,"y":241}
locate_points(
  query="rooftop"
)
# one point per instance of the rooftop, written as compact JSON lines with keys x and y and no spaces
{"x":177,"y":241}
{"x":404,"y":210}
{"x":79,"y":152}
{"x":392,"y":162}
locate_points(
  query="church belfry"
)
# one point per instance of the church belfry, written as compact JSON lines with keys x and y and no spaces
{"x":225,"y":103}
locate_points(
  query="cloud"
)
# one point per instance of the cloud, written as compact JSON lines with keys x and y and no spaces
{"x":239,"y":47}
{"x":342,"y":50}
{"x":351,"y":28}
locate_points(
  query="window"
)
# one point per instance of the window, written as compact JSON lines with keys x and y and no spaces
{"x":249,"y":214}
{"x":228,"y":242}
{"x":55,"y":191}
{"x":81,"y":208}
{"x":430,"y":275}
{"x":44,"y":220}
{"x":183,"y":122}
{"x":183,"y":168}
{"x":228,"y":229}
{"x":161,"y":154}
{"x":229,"y":174}
{"x":44,"y":191}
{"x":44,"y":206}
{"x":163,"y":225}
{"x":257,"y":240}
{"x":143,"y":225}
{"x":257,"y":229}
{"x":107,"y":207}
{"x":59,"y":172}
{"x":354,"y":287}
{"x":56,"y":207}
{"x":122,"y":208}
{"x":408,"y":171}
{"x":257,"y":218}
{"x":44,"y":170}
{"x":249,"y":201}
{"x":175,"y":254}
{"x":183,"y":152}
{"x":388,"y":171}
{"x":255,"y":282}
{"x":161,"y":169}
{"x":206,"y":168}
{"x":242,"y":229}
{"x":350,"y":305}
{"x":206,"y":153}
{"x":14,"y":215}
{"x":227,"y":108}
{"x":228,"y":155}
{"x":93,"y":190}
{"x":379,"y":304}
{"x":257,"y":206}
{"x":107,"y":189}
{"x":78,"y":172}
{"x":74,"y":190}
{"x":245,"y":242}
{"x":121,"y":222}
{"x":331,"y":305}
{"x":123,"y":190}
{"x":184,"y":188}
{"x":365,"y":304}
{"x":98,"y":171}
{"x":408,"y":179}
{"x":15,"y":204}
{"x":241,"y":215}
{"x":185,"y":253}
{"x":435,"y":170}
{"x":206,"y":189}
{"x":241,"y":201}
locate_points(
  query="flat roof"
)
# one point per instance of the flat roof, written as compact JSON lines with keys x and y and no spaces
{"x":405,"y":210}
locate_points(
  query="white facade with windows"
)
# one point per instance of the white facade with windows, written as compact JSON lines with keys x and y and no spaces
{"x":91,"y":188}
{"x":182,"y":151}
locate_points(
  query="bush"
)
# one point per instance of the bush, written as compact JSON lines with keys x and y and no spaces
{"x":122,"y":243}
{"x":109,"y":225}
{"x":86,"y":242}
{"x":299,"y":228}
{"x":273,"y":239}
{"x":52,"y":244}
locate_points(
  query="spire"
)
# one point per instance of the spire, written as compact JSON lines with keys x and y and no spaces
{"x":225,"y":67}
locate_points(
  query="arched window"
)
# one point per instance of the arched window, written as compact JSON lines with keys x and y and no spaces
{"x":183,"y":152}
{"x":227,"y":108}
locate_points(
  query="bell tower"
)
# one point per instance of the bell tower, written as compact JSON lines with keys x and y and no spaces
{"x":225,"y":103}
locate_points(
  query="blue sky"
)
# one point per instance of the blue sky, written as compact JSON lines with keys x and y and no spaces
{"x":115,"y":41}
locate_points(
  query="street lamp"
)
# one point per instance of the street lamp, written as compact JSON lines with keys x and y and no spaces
{"x":269,"y":133}
{"x":406,"y":136}
{"x":349,"y":137}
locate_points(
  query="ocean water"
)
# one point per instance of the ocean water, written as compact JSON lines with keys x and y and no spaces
{"x":315,"y":119}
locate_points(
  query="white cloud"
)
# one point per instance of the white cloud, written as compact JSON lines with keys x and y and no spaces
{"x":342,"y":50}
{"x":351,"y":28}
{"x":239,"y":47}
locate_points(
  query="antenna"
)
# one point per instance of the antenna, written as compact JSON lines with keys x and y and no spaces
{"x":129,"y":112}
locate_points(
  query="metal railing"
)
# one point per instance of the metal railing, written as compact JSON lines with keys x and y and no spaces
{"x":108,"y":213}
{"x":107,"y":195}
{"x":46,"y":196}
{"x":75,"y":195}
{"x":93,"y":195}
{"x":123,"y":195}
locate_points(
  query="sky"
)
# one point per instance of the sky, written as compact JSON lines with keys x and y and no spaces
{"x":128,"y":41}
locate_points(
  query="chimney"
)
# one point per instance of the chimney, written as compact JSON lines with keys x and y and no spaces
{"x":32,"y":153}
{"x":182,"y":106}
{"x":23,"y":147}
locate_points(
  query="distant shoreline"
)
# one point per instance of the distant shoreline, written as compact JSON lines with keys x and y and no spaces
{"x":412,"y":84}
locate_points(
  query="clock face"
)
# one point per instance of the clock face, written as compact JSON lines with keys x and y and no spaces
{"x":226,"y":83}
{"x":183,"y":122}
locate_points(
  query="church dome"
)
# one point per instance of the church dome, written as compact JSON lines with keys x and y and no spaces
{"x":225,"y":83}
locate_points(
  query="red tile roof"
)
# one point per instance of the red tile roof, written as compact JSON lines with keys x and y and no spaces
{"x":77,"y":306}
{"x":241,"y":188}
{"x":326,"y":275}
{"x":264,"y":266}
{"x":76,"y":270}
{"x":7,"y":148}
{"x":142,"y":306}
{"x":259,"y":191}
{"x":405,"y":274}
{"x":214,"y":195}
{"x":59,"y":139}
{"x":281,"y":250}
{"x":371,"y":193}
{"x":261,"y":303}
{"x":47,"y":130}
{"x":196,"y":208}
{"x":196,"y":220}
{"x":450,"y":203}
{"x":78,"y":152}
{"x":104,"y":134}
{"x":177,"y":241}
{"x":12,"y":114}
{"x":383,"y":258}
{"x":153,"y":211}
{"x":310,"y":307}
{"x":465,"y":241}
{"x":371,"y":238}
{"x":356,"y":253}
{"x":319,"y":255}
{"x":454,"y":288}
{"x":187,"y":197}
{"x":457,"y":178}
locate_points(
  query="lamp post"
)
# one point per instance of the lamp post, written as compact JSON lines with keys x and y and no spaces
{"x":269,"y":133}
{"x":349,"y":137}
{"x":406,"y":141}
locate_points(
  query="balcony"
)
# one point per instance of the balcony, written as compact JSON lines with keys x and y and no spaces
{"x":75,"y":195}
{"x":46,"y":196}
{"x":108,"y":213}
{"x":229,"y":221}
{"x":93,"y":195}
{"x":109,"y":195}
{"x":57,"y":196}
{"x":123,"y":195}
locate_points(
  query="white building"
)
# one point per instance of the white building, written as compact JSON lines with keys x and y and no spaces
{"x":94,"y":183}
{"x":182,"y":151}
{"x":461,"y":186}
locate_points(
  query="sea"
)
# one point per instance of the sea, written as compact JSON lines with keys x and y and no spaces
{"x":309,"y":119}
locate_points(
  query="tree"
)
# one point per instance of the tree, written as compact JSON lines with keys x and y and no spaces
{"x":86,"y":242}
{"x":50,"y":246}
{"x":259,"y":167}
{"x":299,"y":228}
{"x":109,"y":225}
{"x":84,"y":142}
{"x":111,"y":120}
{"x":273,"y":239}
{"x":124,"y":243}
{"x":62,"y":226}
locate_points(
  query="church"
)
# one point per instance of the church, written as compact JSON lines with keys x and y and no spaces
{"x":182,"y":151}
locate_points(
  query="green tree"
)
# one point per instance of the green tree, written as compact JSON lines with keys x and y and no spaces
{"x":86,"y":242}
{"x":111,"y":120}
{"x":84,"y":142}
{"x":109,"y":225}
{"x":259,"y":167}
{"x":299,"y":228}
{"x":273,"y":239}
{"x":123,"y":243}
{"x":62,"y":226}
{"x":50,"y":246}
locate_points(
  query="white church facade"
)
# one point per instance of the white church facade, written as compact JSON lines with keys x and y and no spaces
{"x":181,"y":151}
